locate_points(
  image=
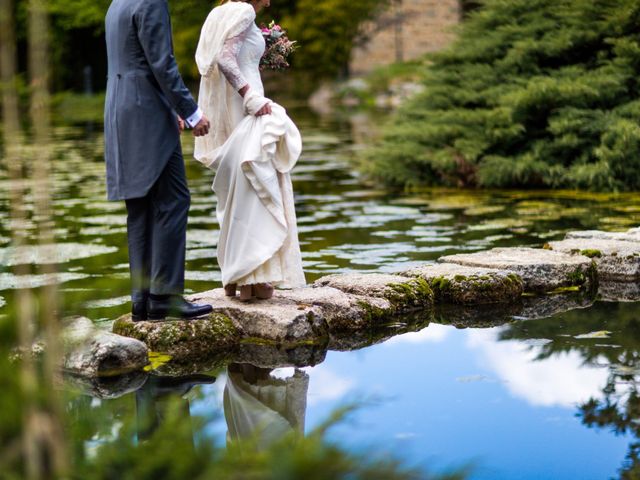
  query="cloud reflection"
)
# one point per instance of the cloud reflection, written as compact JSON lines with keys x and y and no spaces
{"x":326,"y":385}
{"x":561,"y":380}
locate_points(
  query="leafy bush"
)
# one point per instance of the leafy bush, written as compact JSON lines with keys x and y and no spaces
{"x":534,"y":93}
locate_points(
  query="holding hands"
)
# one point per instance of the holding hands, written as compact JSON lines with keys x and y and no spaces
{"x":199,"y":130}
{"x":202,"y":128}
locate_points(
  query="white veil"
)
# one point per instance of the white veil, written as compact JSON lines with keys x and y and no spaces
{"x":223,"y":22}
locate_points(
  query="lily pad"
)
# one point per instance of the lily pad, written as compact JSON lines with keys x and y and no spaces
{"x":598,"y":334}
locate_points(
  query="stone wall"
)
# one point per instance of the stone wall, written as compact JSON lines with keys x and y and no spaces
{"x":407,"y":30}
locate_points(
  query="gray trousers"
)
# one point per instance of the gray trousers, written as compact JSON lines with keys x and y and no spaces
{"x":156,"y":233}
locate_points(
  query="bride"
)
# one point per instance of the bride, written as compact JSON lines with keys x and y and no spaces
{"x":252,"y":145}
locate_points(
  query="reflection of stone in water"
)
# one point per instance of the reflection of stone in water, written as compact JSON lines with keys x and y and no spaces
{"x":9,"y":281}
{"x":476,"y":316}
{"x":106,"y":387}
{"x":619,"y":291}
{"x":259,"y":406}
{"x":49,"y":254}
{"x":549,"y":305}
{"x":271,"y":356}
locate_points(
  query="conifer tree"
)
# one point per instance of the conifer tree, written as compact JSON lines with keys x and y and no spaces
{"x":534,"y":93}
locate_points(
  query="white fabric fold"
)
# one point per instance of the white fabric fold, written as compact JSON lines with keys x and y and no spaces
{"x":255,"y":201}
{"x":253,"y":102}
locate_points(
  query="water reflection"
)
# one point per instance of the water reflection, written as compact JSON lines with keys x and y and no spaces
{"x":262,"y":407}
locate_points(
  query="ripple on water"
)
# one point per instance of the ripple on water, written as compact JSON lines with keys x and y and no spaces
{"x":9,"y":281}
{"x":2,"y":302}
{"x":107,"y":303}
{"x":105,"y":220}
{"x":49,"y":254}
{"x":202,"y":238}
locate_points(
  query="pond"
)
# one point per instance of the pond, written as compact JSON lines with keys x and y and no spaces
{"x":548,"y":398}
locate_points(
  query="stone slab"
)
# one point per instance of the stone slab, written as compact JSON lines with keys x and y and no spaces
{"x":90,"y":352}
{"x":404,"y":294}
{"x":183,"y":340}
{"x":614,"y":259}
{"x":279,"y":319}
{"x":540,"y":270}
{"x":342,"y":311}
{"x":632,"y":235}
{"x":459,"y":284}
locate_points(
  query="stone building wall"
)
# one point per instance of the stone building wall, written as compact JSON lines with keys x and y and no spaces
{"x":407,"y":30}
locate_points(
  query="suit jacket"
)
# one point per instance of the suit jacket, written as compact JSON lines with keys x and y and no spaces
{"x":144,"y":92}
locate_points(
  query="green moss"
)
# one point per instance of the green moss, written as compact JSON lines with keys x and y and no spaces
{"x":414,"y":293}
{"x":591,"y":253}
{"x":584,"y":278}
{"x":372,"y":314}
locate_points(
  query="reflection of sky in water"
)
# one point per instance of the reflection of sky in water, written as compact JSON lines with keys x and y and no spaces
{"x":444,"y":397}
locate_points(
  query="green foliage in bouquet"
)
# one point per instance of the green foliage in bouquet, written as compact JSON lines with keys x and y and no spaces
{"x":534,"y":93}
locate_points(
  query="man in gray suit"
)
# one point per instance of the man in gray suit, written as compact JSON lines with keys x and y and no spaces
{"x":144,"y":110}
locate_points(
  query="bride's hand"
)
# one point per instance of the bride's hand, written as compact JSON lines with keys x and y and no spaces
{"x":265,"y":110}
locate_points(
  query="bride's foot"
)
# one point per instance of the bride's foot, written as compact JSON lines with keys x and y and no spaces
{"x":230,"y":290}
{"x":264,"y":291}
{"x":246,"y":292}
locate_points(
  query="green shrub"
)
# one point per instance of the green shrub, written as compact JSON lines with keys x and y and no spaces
{"x":534,"y":93}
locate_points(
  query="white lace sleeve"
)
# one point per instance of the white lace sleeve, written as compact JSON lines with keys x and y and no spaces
{"x":228,"y":61}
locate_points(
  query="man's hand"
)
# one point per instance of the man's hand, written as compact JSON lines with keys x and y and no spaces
{"x":202,"y":128}
{"x":265,"y":110}
{"x":181,"y":124}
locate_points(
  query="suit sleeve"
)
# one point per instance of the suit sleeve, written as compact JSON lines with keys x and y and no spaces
{"x":154,"y":34}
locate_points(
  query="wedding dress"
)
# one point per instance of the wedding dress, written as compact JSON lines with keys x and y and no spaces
{"x":252,"y":155}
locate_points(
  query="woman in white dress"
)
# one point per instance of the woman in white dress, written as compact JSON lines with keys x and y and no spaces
{"x":252,"y":145}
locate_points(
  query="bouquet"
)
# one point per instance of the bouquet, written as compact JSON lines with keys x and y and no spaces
{"x":278,"y":47}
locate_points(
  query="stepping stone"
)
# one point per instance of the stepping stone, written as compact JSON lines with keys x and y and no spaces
{"x":342,"y":311}
{"x":615,"y":259}
{"x":278,"y":319}
{"x":453,"y":283}
{"x":90,"y":352}
{"x":540,"y":270}
{"x":192,"y":340}
{"x":403,"y":294}
{"x":632,"y":235}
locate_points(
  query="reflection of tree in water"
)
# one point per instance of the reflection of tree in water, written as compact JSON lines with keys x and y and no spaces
{"x":606,"y":335}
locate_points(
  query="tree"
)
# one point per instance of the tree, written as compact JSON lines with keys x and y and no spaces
{"x":534,"y":93}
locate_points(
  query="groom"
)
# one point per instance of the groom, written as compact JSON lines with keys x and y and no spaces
{"x":144,"y":110}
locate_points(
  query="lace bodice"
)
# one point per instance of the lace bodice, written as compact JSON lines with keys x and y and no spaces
{"x":240,"y":59}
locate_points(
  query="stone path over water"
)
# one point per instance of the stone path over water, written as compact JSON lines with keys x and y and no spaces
{"x":350,"y":311}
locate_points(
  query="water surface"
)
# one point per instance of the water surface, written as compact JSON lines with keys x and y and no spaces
{"x":547,"y":398}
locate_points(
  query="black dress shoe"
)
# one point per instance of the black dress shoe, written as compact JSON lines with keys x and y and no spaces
{"x":159,"y":308}
{"x":139,"y":311}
